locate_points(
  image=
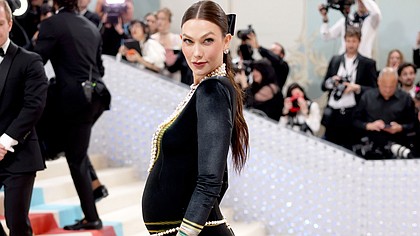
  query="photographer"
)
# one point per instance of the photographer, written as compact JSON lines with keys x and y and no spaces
{"x":116,"y":19}
{"x":348,"y":76}
{"x":275,"y":55}
{"x":262,"y":94}
{"x":386,"y":114}
{"x":367,"y":18}
{"x":151,"y":55}
{"x":299,"y":112}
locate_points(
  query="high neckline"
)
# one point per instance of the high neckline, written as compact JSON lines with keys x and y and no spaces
{"x":219,"y":71}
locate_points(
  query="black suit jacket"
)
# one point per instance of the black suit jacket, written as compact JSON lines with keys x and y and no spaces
{"x":23,"y":91}
{"x":416,"y":57}
{"x":93,"y":17}
{"x":73,"y":44}
{"x":366,"y":73}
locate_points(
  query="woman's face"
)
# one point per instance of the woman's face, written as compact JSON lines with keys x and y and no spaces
{"x":394,"y":59}
{"x":256,"y":76}
{"x":152,"y":23}
{"x":137,"y":32}
{"x":163,"y":23}
{"x":203,"y":45}
{"x":296,"y":92}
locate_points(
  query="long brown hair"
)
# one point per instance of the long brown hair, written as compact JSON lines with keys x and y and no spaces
{"x":389,"y":57}
{"x":212,"y":12}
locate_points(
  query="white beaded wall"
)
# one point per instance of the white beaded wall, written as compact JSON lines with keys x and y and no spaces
{"x":296,"y":185}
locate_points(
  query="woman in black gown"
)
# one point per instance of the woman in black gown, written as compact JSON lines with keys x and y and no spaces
{"x":188,"y":170}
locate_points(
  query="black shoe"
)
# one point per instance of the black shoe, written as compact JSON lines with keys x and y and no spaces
{"x":100,"y":192}
{"x":83,"y":224}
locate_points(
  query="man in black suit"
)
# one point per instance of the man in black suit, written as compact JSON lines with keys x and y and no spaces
{"x":348,"y":76}
{"x":73,"y":44}
{"x":84,"y":11}
{"x":23,"y":91}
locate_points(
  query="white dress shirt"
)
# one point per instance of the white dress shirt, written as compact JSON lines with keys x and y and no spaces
{"x":5,"y":46}
{"x":369,"y":29}
{"x":348,"y":70}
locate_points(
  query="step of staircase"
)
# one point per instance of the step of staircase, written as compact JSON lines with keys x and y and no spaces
{"x":55,"y":199}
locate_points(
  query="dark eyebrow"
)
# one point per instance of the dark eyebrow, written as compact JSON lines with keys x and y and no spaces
{"x":204,"y":36}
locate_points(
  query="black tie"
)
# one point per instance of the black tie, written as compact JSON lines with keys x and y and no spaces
{"x":1,"y":52}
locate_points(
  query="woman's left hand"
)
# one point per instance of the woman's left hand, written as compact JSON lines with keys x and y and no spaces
{"x":303,"y":105}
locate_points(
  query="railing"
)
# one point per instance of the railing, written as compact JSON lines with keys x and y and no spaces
{"x":295,"y":184}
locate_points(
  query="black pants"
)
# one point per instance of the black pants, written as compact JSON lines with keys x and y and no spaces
{"x":17,"y":200}
{"x":77,"y":137}
{"x":340,"y":129}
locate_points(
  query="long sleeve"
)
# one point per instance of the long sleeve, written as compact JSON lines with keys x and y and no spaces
{"x":331,"y":71}
{"x":154,"y":53}
{"x":280,"y":66}
{"x":34,"y":98}
{"x":314,"y":118}
{"x":359,"y":113}
{"x":333,"y":32}
{"x":46,"y":40}
{"x":409,"y":120}
{"x":374,"y":12}
{"x":214,"y":128}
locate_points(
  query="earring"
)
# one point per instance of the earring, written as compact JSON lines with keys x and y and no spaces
{"x":226,"y":51}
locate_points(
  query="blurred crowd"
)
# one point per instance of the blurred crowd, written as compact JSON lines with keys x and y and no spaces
{"x":373,"y":112}
{"x":353,"y":116}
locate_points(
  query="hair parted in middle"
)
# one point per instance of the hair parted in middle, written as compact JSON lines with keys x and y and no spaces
{"x":212,"y":12}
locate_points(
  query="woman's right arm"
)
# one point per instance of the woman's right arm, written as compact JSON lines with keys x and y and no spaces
{"x":266,"y":93}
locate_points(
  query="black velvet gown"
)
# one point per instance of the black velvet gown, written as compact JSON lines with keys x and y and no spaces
{"x":189,"y":176}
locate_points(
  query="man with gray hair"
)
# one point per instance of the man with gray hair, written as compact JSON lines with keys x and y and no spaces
{"x":385,"y":114}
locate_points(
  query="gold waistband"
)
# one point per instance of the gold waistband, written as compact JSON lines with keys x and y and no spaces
{"x":208,"y":223}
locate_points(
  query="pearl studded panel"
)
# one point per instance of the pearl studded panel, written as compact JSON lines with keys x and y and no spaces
{"x":294,"y":184}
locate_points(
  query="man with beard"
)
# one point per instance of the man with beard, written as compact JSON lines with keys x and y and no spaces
{"x":406,"y":77}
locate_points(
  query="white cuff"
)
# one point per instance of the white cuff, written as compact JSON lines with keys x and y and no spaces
{"x":8,"y":142}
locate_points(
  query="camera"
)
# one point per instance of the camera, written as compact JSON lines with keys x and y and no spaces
{"x":338,"y":4}
{"x":114,"y":9}
{"x":391,"y":150}
{"x":246,"y":66}
{"x":338,"y":89}
{"x":245,"y":51}
{"x":400,"y":151}
{"x":295,"y":105}
{"x":243,"y":34}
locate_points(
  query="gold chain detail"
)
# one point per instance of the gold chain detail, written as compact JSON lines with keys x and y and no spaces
{"x":157,"y":136}
{"x":208,"y":223}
